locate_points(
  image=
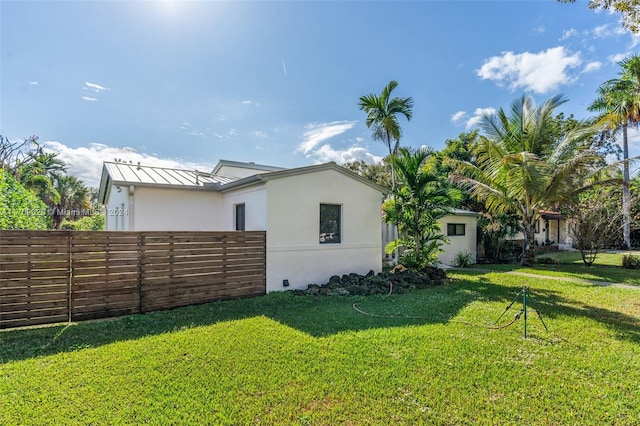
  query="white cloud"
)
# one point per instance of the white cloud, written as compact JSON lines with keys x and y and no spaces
{"x":326,"y":153}
{"x":568,"y":34}
{"x":95,"y":87}
{"x":89,"y":98}
{"x":619,"y":57}
{"x":602,"y":31}
{"x":249,"y":102}
{"x":592,"y":66}
{"x":540,"y":29}
{"x":33,"y":83}
{"x":457,"y":116}
{"x":259,"y":134}
{"x":318,"y":132}
{"x":539,"y":72}
{"x":477,"y":116}
{"x":85,"y":162}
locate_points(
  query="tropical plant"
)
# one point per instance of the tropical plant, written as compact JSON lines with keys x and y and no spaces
{"x":74,"y":199}
{"x":420,"y":199}
{"x":382,"y":117}
{"x":524,"y":165}
{"x":463,"y":259}
{"x":618,"y":103}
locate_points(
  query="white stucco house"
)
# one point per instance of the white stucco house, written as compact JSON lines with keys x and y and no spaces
{"x":460,"y":228}
{"x":552,"y":230}
{"x":321,"y":220}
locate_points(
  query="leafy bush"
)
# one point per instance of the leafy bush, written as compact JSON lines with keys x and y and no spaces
{"x":630,"y":261}
{"x":87,"y":223}
{"x":19,"y":207}
{"x":463,"y":259}
{"x":546,"y":261}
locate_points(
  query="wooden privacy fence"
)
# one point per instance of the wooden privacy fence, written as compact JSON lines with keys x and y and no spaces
{"x":55,"y":276}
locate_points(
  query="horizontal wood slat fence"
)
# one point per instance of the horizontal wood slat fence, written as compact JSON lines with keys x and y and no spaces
{"x":56,"y":276}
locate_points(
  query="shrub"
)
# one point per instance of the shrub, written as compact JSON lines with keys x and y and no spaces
{"x":630,"y":261}
{"x":463,"y":259}
{"x":546,"y":261}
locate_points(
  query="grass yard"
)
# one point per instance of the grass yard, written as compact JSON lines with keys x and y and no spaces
{"x":285,"y":359}
{"x":607,"y":267}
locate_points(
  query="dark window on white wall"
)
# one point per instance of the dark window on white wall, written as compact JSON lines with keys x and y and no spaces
{"x":455,"y":228}
{"x":239,"y":216}
{"x":330,"y":223}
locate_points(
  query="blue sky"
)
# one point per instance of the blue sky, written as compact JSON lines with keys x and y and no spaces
{"x":184,"y":84}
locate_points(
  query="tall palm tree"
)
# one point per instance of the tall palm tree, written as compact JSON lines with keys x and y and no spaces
{"x":382,"y":116}
{"x":618,"y":103}
{"x":523,"y":165}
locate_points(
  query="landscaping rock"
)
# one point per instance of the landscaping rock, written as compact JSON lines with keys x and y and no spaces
{"x":400,"y":281}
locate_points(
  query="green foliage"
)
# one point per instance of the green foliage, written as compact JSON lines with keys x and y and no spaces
{"x":463,"y":259}
{"x":418,"y":202}
{"x":20,"y":208}
{"x":378,"y":173}
{"x":94,"y":222}
{"x":524,"y":164}
{"x":382,"y":111}
{"x":630,"y":261}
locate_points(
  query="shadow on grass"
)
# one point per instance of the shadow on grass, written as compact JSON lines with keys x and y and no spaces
{"x":553,"y":304}
{"x":315,"y":315}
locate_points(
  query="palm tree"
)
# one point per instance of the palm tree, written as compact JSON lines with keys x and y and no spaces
{"x":523,"y":165}
{"x":618,"y":102}
{"x":74,"y":197}
{"x":419,"y":201}
{"x":382,"y":116}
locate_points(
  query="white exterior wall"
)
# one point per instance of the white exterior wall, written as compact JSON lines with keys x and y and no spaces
{"x":294,"y":252}
{"x":117,"y":210}
{"x":170,"y":209}
{"x":238,"y":172}
{"x":458,"y":243}
{"x":255,"y":204}
{"x":564,"y":243}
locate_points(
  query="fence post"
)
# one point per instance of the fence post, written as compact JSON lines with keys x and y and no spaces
{"x":140,"y":265}
{"x":70,"y":273}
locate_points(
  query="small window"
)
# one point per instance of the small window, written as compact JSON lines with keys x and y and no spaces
{"x":330,"y":223}
{"x":455,"y":228}
{"x":239,"y":217}
{"x":538,"y":226}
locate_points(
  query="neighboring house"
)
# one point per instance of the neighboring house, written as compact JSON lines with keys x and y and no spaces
{"x":552,"y":230}
{"x":320,"y":220}
{"x":460,"y":228}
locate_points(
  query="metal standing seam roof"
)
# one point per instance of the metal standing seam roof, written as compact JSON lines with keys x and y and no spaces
{"x":134,"y":173}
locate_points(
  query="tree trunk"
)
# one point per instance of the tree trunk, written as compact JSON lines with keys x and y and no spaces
{"x":626,"y":194}
{"x":529,"y":253}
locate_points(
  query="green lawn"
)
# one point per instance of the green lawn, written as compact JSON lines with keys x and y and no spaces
{"x":607,"y":267}
{"x":285,"y":359}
